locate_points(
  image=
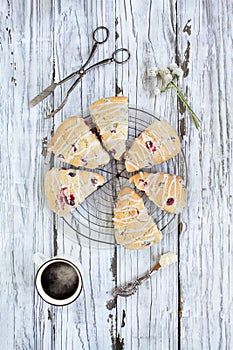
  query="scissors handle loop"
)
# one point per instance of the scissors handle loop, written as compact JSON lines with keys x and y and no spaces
{"x":97,"y":32}
{"x":101,"y":31}
{"x":120,"y":59}
{"x":100,"y":36}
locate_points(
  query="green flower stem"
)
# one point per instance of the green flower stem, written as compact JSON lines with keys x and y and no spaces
{"x":182,"y":97}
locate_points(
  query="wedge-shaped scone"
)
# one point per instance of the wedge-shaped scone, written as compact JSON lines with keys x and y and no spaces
{"x":155,"y":145}
{"x":111,"y":118}
{"x":75,"y":143}
{"x":65,"y":189}
{"x":134,"y":227}
{"x":167,"y":191}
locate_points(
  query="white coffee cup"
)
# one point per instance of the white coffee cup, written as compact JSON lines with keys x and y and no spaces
{"x":58,"y":280}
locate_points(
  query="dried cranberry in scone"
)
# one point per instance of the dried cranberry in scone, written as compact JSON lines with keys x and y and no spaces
{"x":170,"y":201}
{"x":112,"y":151}
{"x":71,"y":200}
{"x":74,"y":147}
{"x":74,"y":140}
{"x":110,"y":115}
{"x":143,"y":182}
{"x":71,"y":174}
{"x":65,"y":189}
{"x":131,"y":217}
{"x":94,"y":182}
{"x":86,"y":122}
{"x":151,"y":146}
{"x":84,"y":161}
{"x":167,"y":191}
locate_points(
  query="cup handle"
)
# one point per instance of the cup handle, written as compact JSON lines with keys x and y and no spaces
{"x":39,"y":259}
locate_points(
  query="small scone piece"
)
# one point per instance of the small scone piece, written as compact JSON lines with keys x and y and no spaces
{"x":75,"y":143}
{"x":167,"y":191}
{"x":111,"y":118}
{"x":65,"y":189}
{"x":134,"y":227}
{"x":155,"y":145}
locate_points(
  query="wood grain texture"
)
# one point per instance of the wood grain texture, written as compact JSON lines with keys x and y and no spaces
{"x":85,"y":325}
{"x":24,"y":225}
{"x":186,"y":306}
{"x":152,"y":314}
{"x":206,"y":243}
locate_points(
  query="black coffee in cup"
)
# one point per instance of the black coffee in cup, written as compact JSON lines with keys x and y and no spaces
{"x":60,"y":280}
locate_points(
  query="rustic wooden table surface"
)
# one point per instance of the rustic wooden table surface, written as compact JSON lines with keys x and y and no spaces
{"x":186,"y":306}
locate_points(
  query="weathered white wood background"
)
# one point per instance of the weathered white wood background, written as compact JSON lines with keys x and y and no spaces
{"x":187,"y":306}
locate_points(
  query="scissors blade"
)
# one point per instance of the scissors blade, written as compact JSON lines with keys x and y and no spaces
{"x":43,"y":94}
{"x":66,"y":98}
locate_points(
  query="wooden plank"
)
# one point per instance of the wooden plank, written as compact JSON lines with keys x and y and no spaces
{"x":150,"y":316}
{"x":26,"y":32}
{"x":205,"y":34}
{"x":89,"y":323}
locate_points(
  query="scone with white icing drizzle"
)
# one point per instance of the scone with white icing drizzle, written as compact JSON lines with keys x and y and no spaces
{"x":134,"y":228}
{"x":65,"y":189}
{"x":156,"y":144}
{"x":111,"y":118}
{"x":167,"y":191}
{"x":75,"y":143}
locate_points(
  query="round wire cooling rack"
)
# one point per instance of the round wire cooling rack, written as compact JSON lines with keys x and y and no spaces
{"x":91,"y":222}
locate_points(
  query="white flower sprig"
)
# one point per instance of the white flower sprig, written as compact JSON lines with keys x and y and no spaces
{"x":166,"y":79}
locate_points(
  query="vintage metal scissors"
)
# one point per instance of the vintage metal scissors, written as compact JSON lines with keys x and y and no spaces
{"x":119,"y":56}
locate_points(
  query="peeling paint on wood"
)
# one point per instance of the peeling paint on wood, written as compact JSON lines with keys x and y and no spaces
{"x":49,"y":314}
{"x":185,"y":63}
{"x":182,"y":107}
{"x":182,"y":128}
{"x":44,"y":151}
{"x":187,"y":27}
{"x":119,"y":343}
{"x":113,"y":268}
{"x":123,"y":319}
{"x":118,"y":90}
{"x":111,"y":304}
